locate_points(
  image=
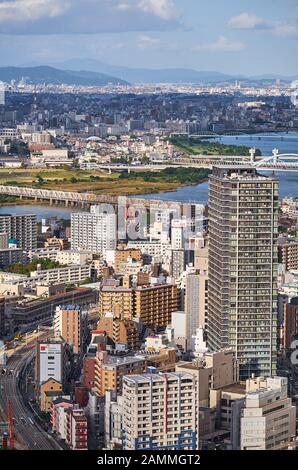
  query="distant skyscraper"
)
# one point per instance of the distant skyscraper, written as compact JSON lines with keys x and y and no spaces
{"x":243,"y":228}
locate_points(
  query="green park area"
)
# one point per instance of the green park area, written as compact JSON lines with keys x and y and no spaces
{"x":117,"y":183}
{"x":191,"y":146}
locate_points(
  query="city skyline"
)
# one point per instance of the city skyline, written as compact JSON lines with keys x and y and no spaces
{"x":241,"y":39}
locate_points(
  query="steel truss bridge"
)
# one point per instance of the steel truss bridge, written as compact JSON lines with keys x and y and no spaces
{"x":82,"y":200}
{"x":275,"y":162}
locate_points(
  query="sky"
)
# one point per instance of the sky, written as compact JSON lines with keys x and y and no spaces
{"x":249,"y":37}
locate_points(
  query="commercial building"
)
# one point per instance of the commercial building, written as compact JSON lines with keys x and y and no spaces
{"x":28,"y":313}
{"x":160,"y":411}
{"x":50,"y":361}
{"x":242,"y":299}
{"x":95,"y":231}
{"x":50,"y":157}
{"x":269,"y":419}
{"x":21,"y":228}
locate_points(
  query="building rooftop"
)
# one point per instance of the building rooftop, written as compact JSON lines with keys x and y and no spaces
{"x":238,"y":388}
{"x":119,"y":361}
{"x":156,"y":377}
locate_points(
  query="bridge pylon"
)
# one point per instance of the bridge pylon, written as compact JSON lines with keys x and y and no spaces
{"x":252,"y":152}
{"x":275,"y":156}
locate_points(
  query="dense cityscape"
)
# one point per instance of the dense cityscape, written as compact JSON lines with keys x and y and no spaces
{"x":148,"y":256}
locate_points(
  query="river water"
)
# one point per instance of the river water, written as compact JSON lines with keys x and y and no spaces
{"x":286,"y":143}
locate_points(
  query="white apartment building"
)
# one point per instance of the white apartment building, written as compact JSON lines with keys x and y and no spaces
{"x":95,"y":231}
{"x":153,"y":249}
{"x":160,"y":411}
{"x":44,"y":253}
{"x":268,"y":420}
{"x":51,"y":157}
{"x":69,"y":275}
{"x":67,"y":257}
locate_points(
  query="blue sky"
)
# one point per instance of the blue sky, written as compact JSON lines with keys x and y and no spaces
{"x":234,"y":36}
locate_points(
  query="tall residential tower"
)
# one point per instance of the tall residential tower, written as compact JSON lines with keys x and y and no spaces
{"x":243,"y":228}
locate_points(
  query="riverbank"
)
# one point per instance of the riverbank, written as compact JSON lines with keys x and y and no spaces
{"x":116,"y":184}
{"x":195,"y":146}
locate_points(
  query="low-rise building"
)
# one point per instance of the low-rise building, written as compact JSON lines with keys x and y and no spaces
{"x":49,"y":391}
{"x":268,"y":419}
{"x":70,"y":274}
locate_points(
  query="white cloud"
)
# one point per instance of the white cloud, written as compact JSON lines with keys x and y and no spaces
{"x":247,"y":21}
{"x":146,"y":42}
{"x":86,"y":16}
{"x":165,"y":9}
{"x":31,"y":10}
{"x":286,"y":30}
{"x":223,"y":44}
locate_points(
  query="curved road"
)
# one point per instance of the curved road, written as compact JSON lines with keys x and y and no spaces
{"x":27,"y":431}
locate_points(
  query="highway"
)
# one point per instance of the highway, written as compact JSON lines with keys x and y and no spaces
{"x":27,"y":431}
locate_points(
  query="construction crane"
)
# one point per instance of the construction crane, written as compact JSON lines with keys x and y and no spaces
{"x":10,"y":426}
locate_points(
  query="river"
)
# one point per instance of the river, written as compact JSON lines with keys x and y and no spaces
{"x":286,"y":143}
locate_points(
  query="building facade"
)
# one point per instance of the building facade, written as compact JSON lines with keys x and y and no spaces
{"x":268,"y":420}
{"x":242,"y":300}
{"x":21,"y":228}
{"x":95,"y":231}
{"x":160,"y":411}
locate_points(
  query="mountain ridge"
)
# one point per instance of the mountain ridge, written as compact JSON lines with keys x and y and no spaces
{"x":54,"y":76}
{"x":164,"y":75}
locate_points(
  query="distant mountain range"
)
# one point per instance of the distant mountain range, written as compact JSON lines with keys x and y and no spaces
{"x":143,"y":75}
{"x":89,"y":72}
{"x":54,"y":76}
{"x":167,"y":75}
